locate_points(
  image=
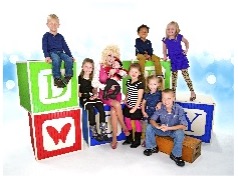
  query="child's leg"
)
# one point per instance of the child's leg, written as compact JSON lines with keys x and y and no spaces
{"x":174,"y":80}
{"x":101,"y":111}
{"x":158,"y":67}
{"x":68,"y":64}
{"x":91,"y":114}
{"x":56,"y":64}
{"x":189,"y":83}
{"x":142,"y":60}
{"x":137,"y":141}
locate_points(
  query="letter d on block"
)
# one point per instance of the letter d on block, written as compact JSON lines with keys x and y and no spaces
{"x":48,"y":93}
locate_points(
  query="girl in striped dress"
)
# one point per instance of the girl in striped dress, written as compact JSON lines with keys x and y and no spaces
{"x":132,"y":111}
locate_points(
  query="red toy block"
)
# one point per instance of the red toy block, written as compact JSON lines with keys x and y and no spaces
{"x":55,"y":133}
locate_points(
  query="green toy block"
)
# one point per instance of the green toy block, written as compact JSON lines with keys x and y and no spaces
{"x":37,"y":91}
{"x":149,"y":70}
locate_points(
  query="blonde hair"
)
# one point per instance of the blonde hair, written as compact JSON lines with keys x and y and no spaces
{"x":87,"y":60}
{"x":52,"y":16}
{"x":159,"y":80}
{"x":176,"y":27}
{"x":108,"y":50}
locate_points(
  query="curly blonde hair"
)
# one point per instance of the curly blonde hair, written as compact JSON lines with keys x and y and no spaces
{"x":175,"y":24}
{"x":108,"y":50}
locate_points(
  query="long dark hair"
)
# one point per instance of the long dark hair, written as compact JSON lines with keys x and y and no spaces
{"x":87,"y":60}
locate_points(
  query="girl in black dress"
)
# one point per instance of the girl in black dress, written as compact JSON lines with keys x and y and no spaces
{"x":89,"y":100}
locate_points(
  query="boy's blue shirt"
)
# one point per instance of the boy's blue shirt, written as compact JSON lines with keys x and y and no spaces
{"x":176,"y":117}
{"x":53,"y":43}
{"x":142,"y":46}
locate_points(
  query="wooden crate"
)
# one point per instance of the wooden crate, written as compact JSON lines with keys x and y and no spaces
{"x":191,"y":147}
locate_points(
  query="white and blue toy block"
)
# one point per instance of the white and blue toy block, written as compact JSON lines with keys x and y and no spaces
{"x":87,"y":133}
{"x":199,"y":115}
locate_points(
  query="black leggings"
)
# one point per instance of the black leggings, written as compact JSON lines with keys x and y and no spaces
{"x":91,"y":115}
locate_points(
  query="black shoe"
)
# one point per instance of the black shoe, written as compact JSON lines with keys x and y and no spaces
{"x":66,"y":79}
{"x":126,"y":142}
{"x":177,"y":160}
{"x":59,"y":83}
{"x":98,"y":138}
{"x":128,"y":139}
{"x":134,"y":144}
{"x":149,"y":152}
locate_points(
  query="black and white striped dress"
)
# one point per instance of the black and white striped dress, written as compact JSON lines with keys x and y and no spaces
{"x":132,"y":97}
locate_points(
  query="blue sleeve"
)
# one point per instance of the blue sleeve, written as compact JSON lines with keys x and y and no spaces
{"x":65,"y":47}
{"x":182,"y":117}
{"x":145,"y":96}
{"x":139,"y":46}
{"x":150,"y":49}
{"x":155,"y":116}
{"x":160,"y":96}
{"x":179,"y":37}
{"x":45,"y":45}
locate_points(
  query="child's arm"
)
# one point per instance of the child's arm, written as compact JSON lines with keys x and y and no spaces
{"x":66,"y":48}
{"x":140,"y":95}
{"x":158,"y":106}
{"x":154,"y":118}
{"x":138,"y":46}
{"x":186,"y":45}
{"x":143,"y":106}
{"x":164,"y":51}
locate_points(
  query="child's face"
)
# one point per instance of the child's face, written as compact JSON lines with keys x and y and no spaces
{"x":87,"y":68}
{"x":116,"y":65}
{"x":134,"y":73}
{"x":143,"y":33}
{"x":53,"y":25}
{"x":110,"y":59}
{"x":171,"y":30}
{"x":168,"y":99}
{"x":153,"y":85}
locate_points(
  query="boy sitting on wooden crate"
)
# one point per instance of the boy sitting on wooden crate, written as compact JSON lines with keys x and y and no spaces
{"x":171,"y":122}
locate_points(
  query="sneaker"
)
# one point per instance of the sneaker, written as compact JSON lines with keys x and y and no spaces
{"x":59,"y":83}
{"x":67,"y":79}
{"x":149,"y":152}
{"x":177,"y":160}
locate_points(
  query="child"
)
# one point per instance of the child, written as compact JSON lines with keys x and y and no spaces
{"x":55,"y":50}
{"x":179,"y":60}
{"x":132,"y":111}
{"x":152,"y":99}
{"x":89,"y":99}
{"x":144,"y":50}
{"x":172,"y":122}
{"x":113,"y":81}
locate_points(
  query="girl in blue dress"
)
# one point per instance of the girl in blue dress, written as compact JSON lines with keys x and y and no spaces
{"x":172,"y":48}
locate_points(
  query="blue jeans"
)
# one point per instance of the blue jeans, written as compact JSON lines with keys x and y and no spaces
{"x":57,"y":58}
{"x":177,"y":135}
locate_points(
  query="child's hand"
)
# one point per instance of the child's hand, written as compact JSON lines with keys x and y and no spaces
{"x":145,"y":114}
{"x":158,"y":106}
{"x":147,"y":57}
{"x":112,"y":71}
{"x":165,"y":58}
{"x":164,"y":128}
{"x":80,"y":94}
{"x":185,"y":52}
{"x":132,"y":110}
{"x":73,"y":59}
{"x":48,"y":60}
